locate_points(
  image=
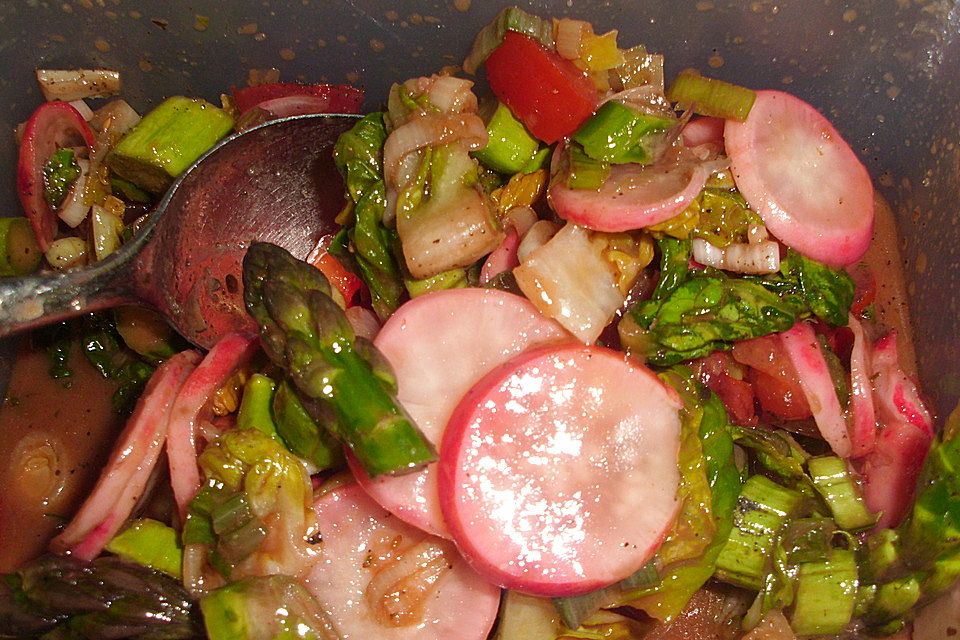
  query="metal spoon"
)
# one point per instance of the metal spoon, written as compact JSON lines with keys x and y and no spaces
{"x":276,"y":183}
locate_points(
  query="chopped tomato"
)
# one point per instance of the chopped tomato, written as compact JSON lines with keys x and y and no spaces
{"x":291,"y":98}
{"x":715,"y":371}
{"x":346,"y":282}
{"x":52,"y":126}
{"x":549,"y":94}
{"x":775,"y":381}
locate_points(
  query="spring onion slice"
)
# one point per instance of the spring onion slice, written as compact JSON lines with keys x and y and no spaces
{"x":510,"y":19}
{"x":833,"y":482}
{"x":585,"y":172}
{"x":710,"y":97}
{"x":510,"y":147}
{"x":826,"y":595}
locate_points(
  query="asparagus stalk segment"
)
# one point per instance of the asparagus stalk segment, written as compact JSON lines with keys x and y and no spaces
{"x":307,"y":334}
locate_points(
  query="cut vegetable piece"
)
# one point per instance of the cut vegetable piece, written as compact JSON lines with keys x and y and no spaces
{"x":550,"y":95}
{"x":509,"y":19}
{"x":569,"y":280}
{"x":191,"y":406}
{"x":19,"y":252}
{"x":803,"y":179}
{"x":167,"y":141}
{"x":150,"y":543}
{"x":125,"y":476}
{"x":510,"y":147}
{"x":833,"y":481}
{"x":52,"y":126}
{"x":634,"y":196}
{"x":619,"y":134}
{"x":863,"y":435}
{"x":302,"y":435}
{"x":709,"y":97}
{"x":380,"y":578}
{"x":805,"y":353}
{"x":558,"y":470}
{"x":76,"y":84}
{"x":439,"y":346}
{"x":701,"y":131}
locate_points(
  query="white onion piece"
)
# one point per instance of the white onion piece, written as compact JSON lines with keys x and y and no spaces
{"x":364,"y":322}
{"x":430,"y":131}
{"x":568,"y":279}
{"x":452,"y":95}
{"x":66,"y":253}
{"x":83,"y":109}
{"x":75,"y":84}
{"x":520,"y":218}
{"x":74,"y":210}
{"x":536,"y":236}
{"x":753,"y":258}
{"x":118,"y":113}
{"x":569,"y":37}
{"x":803,"y":349}
{"x":864,"y":432}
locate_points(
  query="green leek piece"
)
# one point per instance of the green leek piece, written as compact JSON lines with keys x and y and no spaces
{"x":450,"y":279}
{"x":881,"y":554}
{"x":302,"y":435}
{"x":585,"y":172}
{"x":833,"y":481}
{"x":710,"y":97}
{"x":304,"y":331}
{"x":147,"y":333}
{"x":619,"y":134}
{"x":256,"y":405}
{"x":150,"y":543}
{"x":59,"y":172}
{"x":129,"y":191}
{"x":763,"y":509}
{"x":510,"y":19}
{"x":167,"y":141}
{"x":540,"y":159}
{"x":260,"y":607}
{"x":510,"y":147}
{"x":894,"y":599}
{"x":524,"y":617}
{"x":826,"y":595}
{"x":20,"y":254}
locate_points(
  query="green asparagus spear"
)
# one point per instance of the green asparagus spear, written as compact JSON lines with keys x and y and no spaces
{"x":106,"y":598}
{"x":306,"y":333}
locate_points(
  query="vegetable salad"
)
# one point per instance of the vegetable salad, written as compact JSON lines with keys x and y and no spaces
{"x":592,"y":355}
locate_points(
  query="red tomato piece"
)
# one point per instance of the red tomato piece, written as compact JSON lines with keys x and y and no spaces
{"x":558,"y":470}
{"x":549,"y":94}
{"x":715,"y":371}
{"x":774,"y":378}
{"x":52,"y":126}
{"x":346,"y":281}
{"x":291,"y":98}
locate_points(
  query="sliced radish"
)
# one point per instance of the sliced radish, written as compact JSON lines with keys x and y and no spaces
{"x":864,"y":433}
{"x":704,"y":131}
{"x":634,"y":196}
{"x":439,"y":345}
{"x":503,"y":258}
{"x":896,"y":395}
{"x":804,"y":351}
{"x":192,"y":405}
{"x":891,"y":469}
{"x":124,"y":478}
{"x":381,"y":578}
{"x":558,"y":470}
{"x":52,"y":126}
{"x":803,"y":179}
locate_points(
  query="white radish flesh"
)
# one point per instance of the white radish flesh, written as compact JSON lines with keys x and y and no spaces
{"x":439,"y":345}
{"x":803,"y":179}
{"x":367,"y":554}
{"x":559,"y":470}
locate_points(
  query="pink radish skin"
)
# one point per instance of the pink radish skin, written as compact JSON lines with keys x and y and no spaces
{"x":634,"y":196}
{"x":804,"y":352}
{"x":503,"y":258}
{"x":460,"y":606}
{"x":193,"y":405}
{"x":864,"y":433}
{"x":897,"y":395}
{"x":558,"y":470}
{"x":125,"y":476}
{"x":795,"y":170}
{"x":439,"y":345}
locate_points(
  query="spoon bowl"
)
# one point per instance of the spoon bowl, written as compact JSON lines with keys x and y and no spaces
{"x":275,"y":183}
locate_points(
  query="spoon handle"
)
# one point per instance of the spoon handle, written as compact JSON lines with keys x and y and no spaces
{"x":39,"y":300}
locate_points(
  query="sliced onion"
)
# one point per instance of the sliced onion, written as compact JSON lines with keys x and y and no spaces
{"x":452,"y":95}
{"x":864,"y":432}
{"x":76,"y":84}
{"x":83,"y":109}
{"x":503,"y":258}
{"x":535,"y":237}
{"x":520,"y":218}
{"x":569,"y":37}
{"x":429,"y":131}
{"x":753,"y":258}
{"x":74,"y":209}
{"x":568,"y":279}
{"x":66,"y":253}
{"x":118,"y":115}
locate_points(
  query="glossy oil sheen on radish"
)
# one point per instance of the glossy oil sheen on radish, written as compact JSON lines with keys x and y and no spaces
{"x":558,"y":471}
{"x":363,"y":558}
{"x":439,"y":345}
